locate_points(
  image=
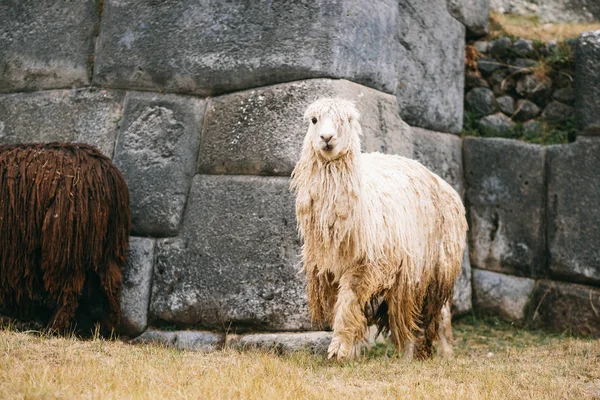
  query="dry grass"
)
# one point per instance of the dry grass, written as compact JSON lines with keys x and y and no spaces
{"x":531,"y":28}
{"x":492,"y":361}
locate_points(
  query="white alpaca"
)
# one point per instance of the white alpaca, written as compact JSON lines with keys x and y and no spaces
{"x":374,"y":227}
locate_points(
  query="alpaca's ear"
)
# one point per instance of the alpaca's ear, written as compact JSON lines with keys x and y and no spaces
{"x":353,"y":114}
{"x":356,"y":126}
{"x":309,"y":113}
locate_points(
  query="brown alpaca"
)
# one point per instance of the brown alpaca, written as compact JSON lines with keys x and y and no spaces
{"x":64,"y":234}
{"x":377,"y":229}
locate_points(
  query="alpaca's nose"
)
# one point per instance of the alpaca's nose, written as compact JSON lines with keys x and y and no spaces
{"x":326,"y":137}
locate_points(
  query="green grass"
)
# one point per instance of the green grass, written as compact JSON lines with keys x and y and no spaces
{"x":549,"y":134}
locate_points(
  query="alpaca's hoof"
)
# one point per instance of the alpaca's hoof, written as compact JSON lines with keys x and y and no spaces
{"x":446,"y":352}
{"x":409,"y":351}
{"x":334,"y":348}
{"x":342,"y":351}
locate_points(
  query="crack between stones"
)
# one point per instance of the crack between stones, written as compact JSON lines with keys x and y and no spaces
{"x":546,"y":218}
{"x":92,"y":58}
{"x":196,"y":161}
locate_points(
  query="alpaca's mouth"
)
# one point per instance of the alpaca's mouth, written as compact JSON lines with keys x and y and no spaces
{"x":328,"y":147}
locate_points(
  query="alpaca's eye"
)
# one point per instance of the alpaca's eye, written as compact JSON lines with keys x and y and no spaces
{"x":314,"y":120}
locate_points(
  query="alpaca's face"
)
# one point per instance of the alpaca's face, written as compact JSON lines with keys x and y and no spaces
{"x":331,"y":128}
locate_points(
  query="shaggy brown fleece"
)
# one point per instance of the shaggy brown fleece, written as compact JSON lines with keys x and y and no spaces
{"x":64,"y":234}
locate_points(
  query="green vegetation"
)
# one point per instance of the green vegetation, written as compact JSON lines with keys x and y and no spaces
{"x":548,"y":134}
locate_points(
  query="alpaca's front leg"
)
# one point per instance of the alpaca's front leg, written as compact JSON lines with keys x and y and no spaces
{"x":349,"y":325}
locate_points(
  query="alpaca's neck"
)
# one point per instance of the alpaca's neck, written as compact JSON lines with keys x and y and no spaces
{"x":328,"y":197}
{"x":341,"y":176}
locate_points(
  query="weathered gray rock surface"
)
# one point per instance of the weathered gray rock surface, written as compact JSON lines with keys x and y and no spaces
{"x":287,"y":342}
{"x":587,"y":83}
{"x":564,"y":95}
{"x":535,"y":88}
{"x":503,"y":295}
{"x":474,"y":79}
{"x":157,"y":151}
{"x":499,"y":48}
{"x":481,"y":101}
{"x":442,"y":154}
{"x":523,"y":48}
{"x":475,"y":15}
{"x":522,"y":65}
{"x":566,"y":307}
{"x":551,"y":10}
{"x":430,"y":65}
{"x":46,"y":44}
{"x":505,"y":181}
{"x":573,"y":212}
{"x":495,"y":125}
{"x":526,"y":110}
{"x":488,"y":65}
{"x":261,"y":131}
{"x":501,"y":82}
{"x":137,"y":281}
{"x":85,"y":115}
{"x":482,"y":46}
{"x":235,"y":264}
{"x":413,"y":49}
{"x":201,"y":341}
{"x":506,"y":105}
{"x":532,"y":127}
{"x":462,"y":301}
{"x":218,"y":47}
{"x":557,"y":112}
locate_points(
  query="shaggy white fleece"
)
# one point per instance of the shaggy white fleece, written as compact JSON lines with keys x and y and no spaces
{"x":374,"y":227}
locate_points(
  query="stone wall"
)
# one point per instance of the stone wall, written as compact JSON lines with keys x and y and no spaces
{"x":551,"y":10}
{"x":200,"y":106}
{"x":521,"y":89}
{"x":534,"y":217}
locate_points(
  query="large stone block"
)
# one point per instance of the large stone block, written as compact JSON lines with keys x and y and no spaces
{"x":503,"y":295}
{"x":430,"y":65}
{"x":587,"y":83}
{"x":46,"y":44}
{"x":216,"y":47}
{"x":137,"y":280}
{"x":200,"y":341}
{"x":235,"y":264}
{"x":566,"y":307}
{"x":462,"y":301}
{"x":261,"y":131}
{"x":475,"y":15}
{"x":286,"y":342}
{"x":85,"y":115}
{"x":157,"y":152}
{"x":442,"y":154}
{"x":573,"y":211}
{"x":505,"y":181}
